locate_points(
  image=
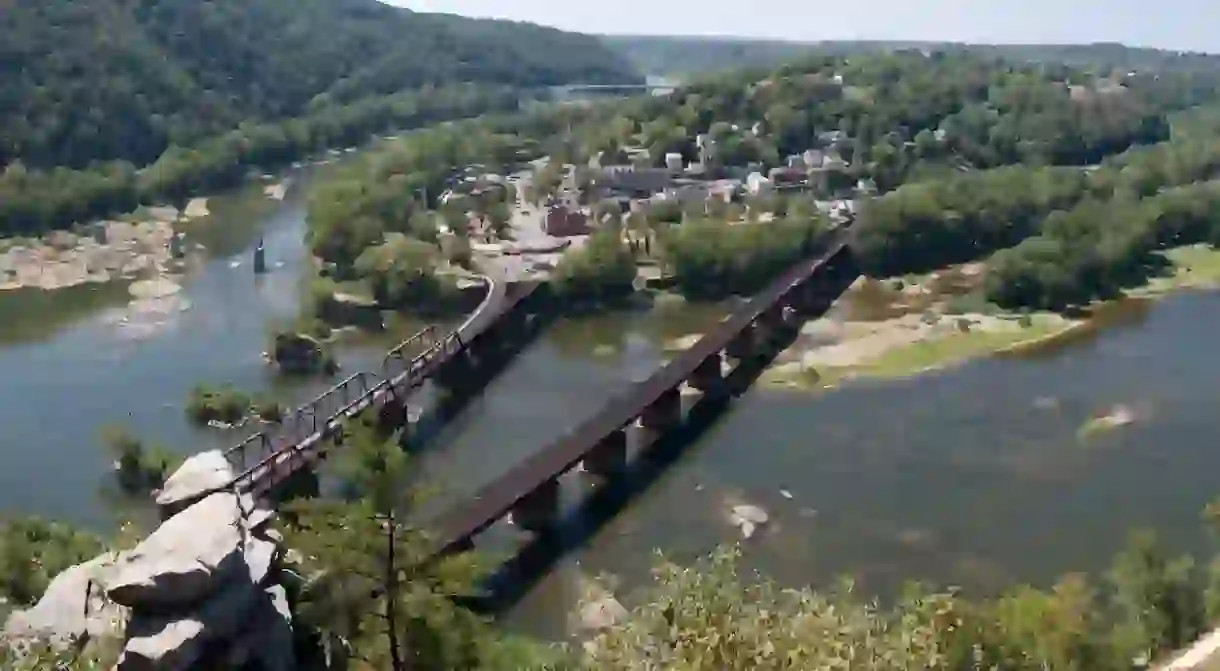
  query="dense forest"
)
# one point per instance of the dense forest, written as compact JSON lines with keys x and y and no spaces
{"x":34,"y":201}
{"x":126,"y":79}
{"x":683,"y":55}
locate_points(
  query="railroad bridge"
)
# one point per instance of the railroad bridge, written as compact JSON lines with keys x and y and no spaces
{"x":530,"y":492}
{"x":459,"y":362}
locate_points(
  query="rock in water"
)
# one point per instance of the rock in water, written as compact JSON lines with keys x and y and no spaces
{"x":747,"y":518}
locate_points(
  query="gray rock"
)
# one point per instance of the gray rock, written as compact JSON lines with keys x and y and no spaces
{"x":72,"y":606}
{"x":747,"y":518}
{"x":173,"y":642}
{"x":198,"y":476}
{"x":269,"y":641}
{"x":189,"y":556}
{"x":602,"y":613}
{"x":176,"y":643}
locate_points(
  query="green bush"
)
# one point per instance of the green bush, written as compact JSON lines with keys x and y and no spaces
{"x":139,"y":468}
{"x":223,"y":404}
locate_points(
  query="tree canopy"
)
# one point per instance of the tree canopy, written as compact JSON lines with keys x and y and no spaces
{"x":126,"y":79}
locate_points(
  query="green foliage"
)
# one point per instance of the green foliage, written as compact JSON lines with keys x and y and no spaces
{"x":219,"y":404}
{"x":376,"y":593}
{"x":713,"y":259}
{"x":33,"y":201}
{"x":33,"y":551}
{"x":166,"y":72}
{"x":603,"y":270}
{"x":139,"y":467}
{"x":403,"y":272}
{"x":707,"y":617}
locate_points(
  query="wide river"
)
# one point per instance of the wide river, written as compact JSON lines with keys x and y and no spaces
{"x":977,"y":476}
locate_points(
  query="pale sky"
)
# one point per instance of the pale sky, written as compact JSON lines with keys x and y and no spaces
{"x":1169,"y":24}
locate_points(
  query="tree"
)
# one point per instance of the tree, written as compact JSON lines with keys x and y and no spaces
{"x":380,"y":597}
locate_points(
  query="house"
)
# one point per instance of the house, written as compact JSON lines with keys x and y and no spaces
{"x":813,"y":158}
{"x":563,"y":221}
{"x":757,"y":184}
{"x":787,"y":176}
{"x":673,"y":161}
{"x":630,"y":181}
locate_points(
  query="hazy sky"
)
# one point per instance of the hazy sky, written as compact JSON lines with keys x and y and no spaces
{"x":1170,"y":24}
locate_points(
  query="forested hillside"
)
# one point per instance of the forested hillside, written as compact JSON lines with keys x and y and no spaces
{"x":665,"y":55}
{"x":125,"y":79}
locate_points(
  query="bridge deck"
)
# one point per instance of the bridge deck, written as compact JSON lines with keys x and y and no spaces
{"x":294,"y":442}
{"x":499,"y":497}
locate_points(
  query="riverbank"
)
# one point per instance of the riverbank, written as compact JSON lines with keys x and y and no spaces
{"x":902,"y":328}
{"x":134,"y":246}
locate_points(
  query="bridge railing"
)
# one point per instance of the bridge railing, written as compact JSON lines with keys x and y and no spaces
{"x":311,"y":417}
{"x":279,"y":455}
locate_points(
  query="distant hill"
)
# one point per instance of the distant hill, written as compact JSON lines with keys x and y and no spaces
{"x":682,"y":55}
{"x":123,"y":79}
{"x":692,"y":55}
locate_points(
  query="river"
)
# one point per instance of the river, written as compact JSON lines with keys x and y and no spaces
{"x":976,"y":476}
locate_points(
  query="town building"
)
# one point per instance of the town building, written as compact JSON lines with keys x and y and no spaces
{"x":562,"y":221}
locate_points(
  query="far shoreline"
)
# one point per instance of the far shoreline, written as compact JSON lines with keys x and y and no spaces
{"x":1196,"y":268}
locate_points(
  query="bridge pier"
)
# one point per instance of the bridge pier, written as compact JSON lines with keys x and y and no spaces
{"x":769,"y":326}
{"x":458,"y":372}
{"x":609,"y":456}
{"x":744,"y":345}
{"x":707,"y":376}
{"x":539,"y":510}
{"x":662,"y":414}
{"x":392,"y":416}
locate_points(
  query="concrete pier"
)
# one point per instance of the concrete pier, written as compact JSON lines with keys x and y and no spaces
{"x":609,"y":456}
{"x":458,"y":371}
{"x":539,"y":510}
{"x":662,"y":415}
{"x":707,"y":376}
{"x":744,"y":344}
{"x":392,"y":416}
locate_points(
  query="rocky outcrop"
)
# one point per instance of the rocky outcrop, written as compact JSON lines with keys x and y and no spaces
{"x":204,"y":586}
{"x":191,"y":555}
{"x":73,"y":606}
{"x":197,"y":477}
{"x":197,"y":586}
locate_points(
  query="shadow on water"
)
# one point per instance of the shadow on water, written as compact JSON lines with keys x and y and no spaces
{"x":30,"y":315}
{"x":611,"y":496}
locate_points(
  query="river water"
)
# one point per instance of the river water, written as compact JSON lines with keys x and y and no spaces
{"x":977,"y":476}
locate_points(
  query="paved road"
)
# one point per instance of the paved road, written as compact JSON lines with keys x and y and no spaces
{"x":527,"y":224}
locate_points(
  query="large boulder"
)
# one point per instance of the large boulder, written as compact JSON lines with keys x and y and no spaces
{"x":268,"y":641}
{"x":198,"y":476}
{"x":73,"y":606}
{"x":176,"y":643}
{"x":191,"y":555}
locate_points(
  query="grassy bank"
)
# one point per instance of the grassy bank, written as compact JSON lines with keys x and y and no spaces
{"x":920,"y":335}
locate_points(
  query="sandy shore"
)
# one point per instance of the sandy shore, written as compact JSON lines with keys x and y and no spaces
{"x":64,"y":259}
{"x":98,"y":252}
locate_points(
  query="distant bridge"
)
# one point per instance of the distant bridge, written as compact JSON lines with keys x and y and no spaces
{"x":530,"y":492}
{"x":570,"y":89}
